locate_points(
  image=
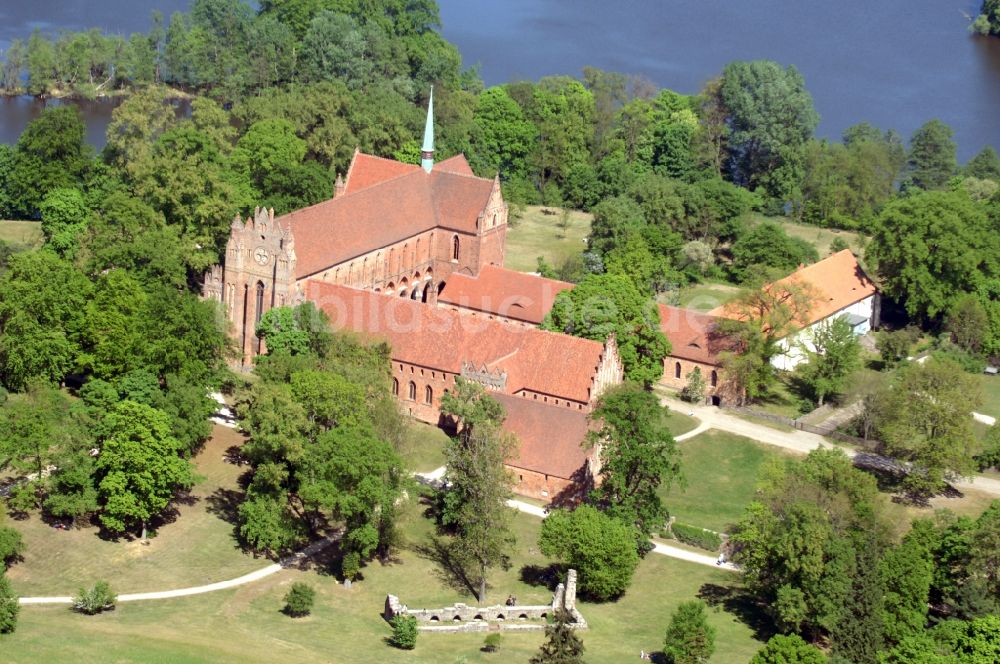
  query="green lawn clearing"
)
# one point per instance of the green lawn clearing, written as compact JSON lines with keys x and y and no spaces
{"x":423,"y":447}
{"x":821,"y":238}
{"x":245,"y":624}
{"x":990,"y":386}
{"x":678,"y":423}
{"x":700,"y":297}
{"x":721,"y":471}
{"x":25,"y":234}
{"x":538,"y":233}
{"x":194,"y":546}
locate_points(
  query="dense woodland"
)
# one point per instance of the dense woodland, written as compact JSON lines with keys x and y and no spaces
{"x":104,"y":344}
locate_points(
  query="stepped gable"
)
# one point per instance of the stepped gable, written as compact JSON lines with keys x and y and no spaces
{"x":690,"y":334}
{"x":444,"y":339}
{"x":550,"y":437}
{"x":834,"y":283}
{"x":504,"y":292}
{"x":382,"y":214}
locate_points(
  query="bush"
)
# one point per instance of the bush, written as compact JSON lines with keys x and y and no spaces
{"x":97,"y":599}
{"x":11,"y":545}
{"x":9,"y":607}
{"x":969,"y":362}
{"x":404,"y":632}
{"x":694,"y":391}
{"x":695,"y":536}
{"x":492,"y":642}
{"x":690,"y":639}
{"x":299,"y":600}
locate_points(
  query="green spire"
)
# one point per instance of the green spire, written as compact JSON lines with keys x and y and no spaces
{"x":427,"y":151}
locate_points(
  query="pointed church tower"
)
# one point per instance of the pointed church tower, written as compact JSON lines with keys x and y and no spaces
{"x":427,"y":150}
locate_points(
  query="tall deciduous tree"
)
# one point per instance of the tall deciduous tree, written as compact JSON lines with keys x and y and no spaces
{"x":139,"y":466}
{"x":638,"y":457}
{"x":770,"y":117}
{"x":601,"y":548}
{"x":925,"y":420}
{"x":42,"y":318}
{"x":930,"y":247}
{"x":602,"y":305}
{"x":798,"y":543}
{"x":834,"y":355}
{"x":479,"y":483}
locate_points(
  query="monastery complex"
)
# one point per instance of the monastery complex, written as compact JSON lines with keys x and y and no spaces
{"x":413,"y":255}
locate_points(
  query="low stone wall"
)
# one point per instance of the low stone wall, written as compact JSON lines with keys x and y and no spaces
{"x":464,"y":618}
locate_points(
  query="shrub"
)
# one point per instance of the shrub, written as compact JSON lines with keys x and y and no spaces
{"x":695,"y":536}
{"x":9,"y":607}
{"x":690,"y":639}
{"x":492,"y":642}
{"x":11,"y":545}
{"x":97,"y":599}
{"x":694,"y":391}
{"x":299,"y":600}
{"x":404,"y":632}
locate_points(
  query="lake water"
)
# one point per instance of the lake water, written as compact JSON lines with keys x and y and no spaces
{"x":893,"y":63}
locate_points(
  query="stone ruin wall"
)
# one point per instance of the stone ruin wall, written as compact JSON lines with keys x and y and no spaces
{"x":464,"y":618}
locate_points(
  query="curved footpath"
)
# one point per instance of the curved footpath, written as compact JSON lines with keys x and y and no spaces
{"x":288,"y":561}
{"x":796,"y":440}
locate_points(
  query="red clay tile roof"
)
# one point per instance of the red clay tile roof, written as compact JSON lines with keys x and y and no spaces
{"x":550,"y":436}
{"x":834,"y":283}
{"x":497,"y":290}
{"x":368,"y":170}
{"x":439,"y":338}
{"x":457,"y":165}
{"x":383,"y":212}
{"x":690,"y":334}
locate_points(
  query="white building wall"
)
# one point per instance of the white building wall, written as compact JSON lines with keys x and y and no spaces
{"x":791,"y":346}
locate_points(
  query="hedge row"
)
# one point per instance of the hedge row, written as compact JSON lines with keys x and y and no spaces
{"x":695,"y":536}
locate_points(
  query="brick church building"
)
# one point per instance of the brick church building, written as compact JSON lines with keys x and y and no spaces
{"x":413,"y":255}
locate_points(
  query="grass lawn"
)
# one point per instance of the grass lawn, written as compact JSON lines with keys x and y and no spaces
{"x":679,"y":423}
{"x":24,"y":233}
{"x":538,"y":234}
{"x":423,"y":447}
{"x":721,"y":470}
{"x":701,"y":297}
{"x":816,"y":236}
{"x":195,"y":545}
{"x":245,"y":624}
{"x":990,"y":386}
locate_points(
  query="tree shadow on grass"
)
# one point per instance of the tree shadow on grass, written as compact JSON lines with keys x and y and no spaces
{"x":449,"y":567}
{"x":547,"y":576}
{"x":737,"y":601}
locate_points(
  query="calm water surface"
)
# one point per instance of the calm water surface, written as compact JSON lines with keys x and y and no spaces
{"x":894,"y":63}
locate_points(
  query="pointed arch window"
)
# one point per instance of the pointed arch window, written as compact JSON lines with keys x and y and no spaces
{"x":395,"y":387}
{"x":428,"y":394}
{"x":411,"y":393}
{"x":715,"y":379}
{"x":677,"y":369}
{"x":454,"y":248}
